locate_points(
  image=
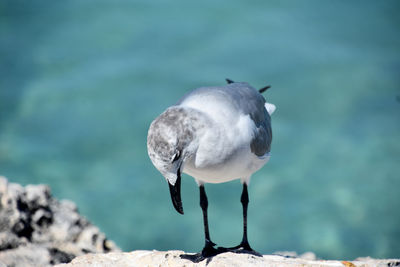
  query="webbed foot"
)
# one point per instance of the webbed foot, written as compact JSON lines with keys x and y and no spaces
{"x":207,"y":252}
{"x":243,"y":247}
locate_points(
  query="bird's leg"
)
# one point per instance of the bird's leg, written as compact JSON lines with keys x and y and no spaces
{"x":208,"y":250}
{"x":245,"y":202}
{"x":244,"y":246}
{"x":204,"y":207}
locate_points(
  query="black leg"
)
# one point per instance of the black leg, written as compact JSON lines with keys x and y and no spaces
{"x":245,"y":202}
{"x":208,"y":250}
{"x":208,"y":247}
{"x":244,"y":246}
{"x":204,"y":207}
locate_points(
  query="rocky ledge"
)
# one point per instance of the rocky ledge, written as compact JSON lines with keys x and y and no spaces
{"x":39,"y":230}
{"x":172,"y":258}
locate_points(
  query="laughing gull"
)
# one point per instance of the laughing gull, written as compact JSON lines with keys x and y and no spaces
{"x":214,"y":134}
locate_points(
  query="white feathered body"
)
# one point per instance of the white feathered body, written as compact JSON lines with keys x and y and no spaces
{"x":223,"y":151}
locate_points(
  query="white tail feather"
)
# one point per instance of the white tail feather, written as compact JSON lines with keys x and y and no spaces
{"x":270,"y":108}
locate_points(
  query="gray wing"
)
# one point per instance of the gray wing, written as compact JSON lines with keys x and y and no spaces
{"x":249,"y":101}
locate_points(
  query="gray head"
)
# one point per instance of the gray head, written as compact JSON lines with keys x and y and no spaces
{"x":168,"y":140}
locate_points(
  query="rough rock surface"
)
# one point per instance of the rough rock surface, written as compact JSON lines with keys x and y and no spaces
{"x":38,"y":230}
{"x":172,"y":258}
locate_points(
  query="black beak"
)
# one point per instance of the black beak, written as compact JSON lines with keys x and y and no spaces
{"x":175,"y":191}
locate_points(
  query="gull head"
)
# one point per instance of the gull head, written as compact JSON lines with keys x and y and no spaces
{"x":164,"y":152}
{"x":167,"y":142}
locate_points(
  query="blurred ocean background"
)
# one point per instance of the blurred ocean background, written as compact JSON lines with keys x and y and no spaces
{"x":81,"y":81}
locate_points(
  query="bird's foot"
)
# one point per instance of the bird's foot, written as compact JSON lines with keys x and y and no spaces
{"x":243,"y":247}
{"x":207,"y":252}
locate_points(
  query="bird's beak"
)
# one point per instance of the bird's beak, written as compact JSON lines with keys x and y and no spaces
{"x":175,"y":191}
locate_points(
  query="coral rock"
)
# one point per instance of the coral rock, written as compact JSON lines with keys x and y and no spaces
{"x":39,"y":230}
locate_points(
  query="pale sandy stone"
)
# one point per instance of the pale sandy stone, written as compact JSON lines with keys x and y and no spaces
{"x":172,"y":258}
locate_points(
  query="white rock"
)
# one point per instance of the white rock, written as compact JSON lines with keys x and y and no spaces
{"x":172,"y":258}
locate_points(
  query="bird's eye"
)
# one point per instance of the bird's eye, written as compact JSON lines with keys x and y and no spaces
{"x":176,"y":156}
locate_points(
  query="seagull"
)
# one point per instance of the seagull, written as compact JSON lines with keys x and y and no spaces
{"x":214,"y":134}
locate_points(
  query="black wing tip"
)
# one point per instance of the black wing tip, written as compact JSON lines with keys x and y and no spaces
{"x":229,"y":81}
{"x":262,"y":90}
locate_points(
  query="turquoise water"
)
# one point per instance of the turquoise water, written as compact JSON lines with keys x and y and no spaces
{"x":80,"y":82}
